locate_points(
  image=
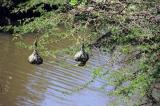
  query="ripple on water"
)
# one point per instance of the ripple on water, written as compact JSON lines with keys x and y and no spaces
{"x":48,"y":84}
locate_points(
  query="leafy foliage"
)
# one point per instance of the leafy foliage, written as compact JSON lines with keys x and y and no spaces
{"x":134,"y":32}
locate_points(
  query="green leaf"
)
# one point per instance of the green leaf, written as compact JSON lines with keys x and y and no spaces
{"x":73,"y":2}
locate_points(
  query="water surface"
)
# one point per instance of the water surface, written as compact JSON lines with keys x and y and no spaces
{"x":49,"y":84}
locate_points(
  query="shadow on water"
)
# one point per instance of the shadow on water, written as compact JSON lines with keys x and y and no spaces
{"x":23,"y":84}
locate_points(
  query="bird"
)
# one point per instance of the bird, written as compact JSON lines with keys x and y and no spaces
{"x":81,"y":56}
{"x":35,"y":58}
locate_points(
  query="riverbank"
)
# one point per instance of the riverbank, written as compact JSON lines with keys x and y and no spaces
{"x":129,"y":28}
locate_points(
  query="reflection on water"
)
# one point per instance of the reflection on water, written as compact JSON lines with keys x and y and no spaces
{"x":49,"y":84}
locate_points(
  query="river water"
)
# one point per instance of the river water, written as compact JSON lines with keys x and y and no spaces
{"x":49,"y":84}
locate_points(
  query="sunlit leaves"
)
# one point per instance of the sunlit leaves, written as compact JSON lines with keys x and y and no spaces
{"x":133,"y":34}
{"x":73,"y":2}
{"x":97,"y":72}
